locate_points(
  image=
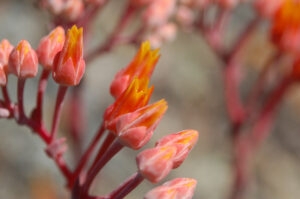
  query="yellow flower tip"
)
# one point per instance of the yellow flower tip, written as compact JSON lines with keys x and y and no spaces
{"x":74,"y":44}
{"x":57,"y":34}
{"x":189,"y":137}
{"x":23,"y":47}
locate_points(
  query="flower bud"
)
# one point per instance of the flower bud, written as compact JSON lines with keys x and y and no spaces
{"x":73,"y":9}
{"x":159,"y":12}
{"x":5,"y":50}
{"x":23,"y":61}
{"x":179,"y":188}
{"x":154,"y":164}
{"x":3,"y":79}
{"x":49,"y":46}
{"x":134,"y":97}
{"x":141,"y":66}
{"x":184,"y":141}
{"x":68,"y":65}
{"x":135,"y":129}
{"x":285,"y":30}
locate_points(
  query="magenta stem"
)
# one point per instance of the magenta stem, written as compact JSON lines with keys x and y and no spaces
{"x":85,"y":157}
{"x":40,"y":95}
{"x":126,"y":187}
{"x":58,"y":106}
{"x":109,"y":154}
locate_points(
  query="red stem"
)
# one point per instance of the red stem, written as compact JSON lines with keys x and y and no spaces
{"x":85,"y":157}
{"x":257,"y":89}
{"x":20,"y":94}
{"x":261,"y":128}
{"x":109,"y":154}
{"x":40,"y":95}
{"x":58,"y":106}
{"x":114,"y":36}
{"x":105,"y":145}
{"x":125,"y":188}
{"x":5,"y":95}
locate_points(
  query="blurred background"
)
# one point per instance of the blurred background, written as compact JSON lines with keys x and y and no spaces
{"x":189,"y":77}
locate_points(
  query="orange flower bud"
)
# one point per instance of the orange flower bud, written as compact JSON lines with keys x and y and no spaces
{"x":5,"y":50}
{"x":136,"y":128}
{"x":68,"y":65}
{"x":285,"y":30}
{"x":23,"y":61}
{"x":184,"y":141}
{"x":134,"y":97}
{"x":156,"y":163}
{"x":178,"y":188}
{"x":49,"y":46}
{"x":141,"y":66}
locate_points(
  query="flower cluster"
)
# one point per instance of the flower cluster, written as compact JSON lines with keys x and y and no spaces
{"x":130,"y":120}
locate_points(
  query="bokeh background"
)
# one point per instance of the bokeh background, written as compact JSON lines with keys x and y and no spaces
{"x":189,"y":77}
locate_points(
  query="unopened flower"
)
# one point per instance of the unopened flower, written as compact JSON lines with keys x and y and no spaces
{"x":161,"y":34}
{"x":179,"y":188}
{"x":135,"y":129}
{"x":72,"y":9}
{"x":49,"y":46}
{"x":134,"y":97}
{"x":23,"y":61}
{"x":5,"y":50}
{"x":155,"y":164}
{"x":141,"y":66}
{"x":69,"y":65}
{"x":159,"y":12}
{"x":285,"y":30}
{"x":185,"y":15}
{"x":184,"y":141}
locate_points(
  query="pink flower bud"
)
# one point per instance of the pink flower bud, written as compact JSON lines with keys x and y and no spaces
{"x":185,"y":16}
{"x":159,"y":12}
{"x":167,"y":32}
{"x":5,"y":50}
{"x":184,"y":141}
{"x":135,"y":129}
{"x":179,"y":188}
{"x":54,"y":6}
{"x":23,"y":61}
{"x":3,"y":79}
{"x":156,"y":163}
{"x":141,"y":66}
{"x":73,"y":9}
{"x":68,"y":65}
{"x":49,"y":46}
